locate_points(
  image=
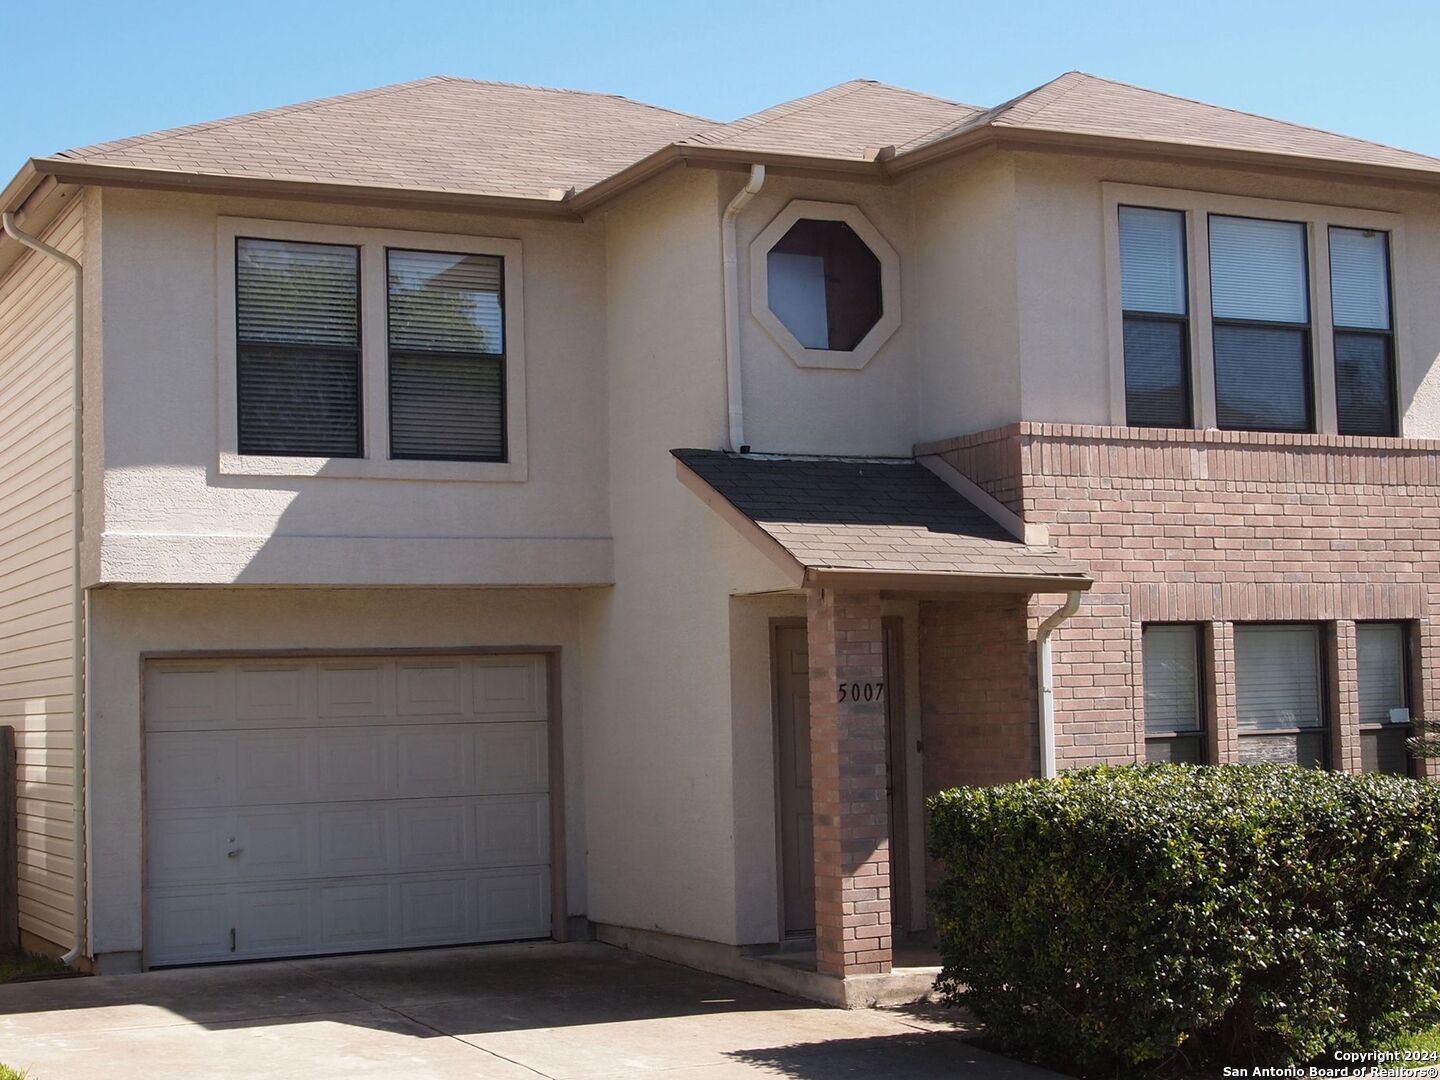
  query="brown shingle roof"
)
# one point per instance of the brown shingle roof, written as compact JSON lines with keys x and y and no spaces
{"x":1081,"y":104}
{"x":888,"y":516}
{"x":441,"y":133}
{"x":843,"y":121}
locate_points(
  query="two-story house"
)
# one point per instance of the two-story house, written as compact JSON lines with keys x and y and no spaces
{"x":475,"y":512}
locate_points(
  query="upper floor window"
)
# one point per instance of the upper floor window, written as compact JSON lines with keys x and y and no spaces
{"x":1364,"y":343}
{"x":1252,"y":314}
{"x":1156,"y":314}
{"x":370,"y":353}
{"x":447,"y":356}
{"x":297,"y":324}
{"x":1259,"y":299}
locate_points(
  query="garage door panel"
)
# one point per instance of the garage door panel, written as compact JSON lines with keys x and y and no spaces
{"x":189,"y":769}
{"x":431,"y":688}
{"x":353,"y":691}
{"x":509,"y":687}
{"x":513,"y":831}
{"x":345,"y":804}
{"x":511,"y":757}
{"x":274,"y":692}
{"x":436,"y":759}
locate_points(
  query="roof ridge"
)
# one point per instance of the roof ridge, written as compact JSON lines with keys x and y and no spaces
{"x":983,"y":118}
{"x":242,"y":118}
{"x":1242,"y":112}
{"x":753,"y":120}
{"x":921,"y":94}
{"x":1033,"y":103}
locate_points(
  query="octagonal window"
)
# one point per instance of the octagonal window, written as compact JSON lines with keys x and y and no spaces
{"x":824,"y":284}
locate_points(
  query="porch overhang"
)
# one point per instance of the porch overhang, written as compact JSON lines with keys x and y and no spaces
{"x":870,"y":525}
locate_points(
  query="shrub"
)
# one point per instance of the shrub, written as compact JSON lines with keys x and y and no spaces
{"x":1148,"y":918}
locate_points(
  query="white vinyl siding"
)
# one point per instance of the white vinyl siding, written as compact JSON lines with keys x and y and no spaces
{"x":1173,"y":712}
{"x":36,"y":572}
{"x":1279,"y":697}
{"x":1383,"y":696}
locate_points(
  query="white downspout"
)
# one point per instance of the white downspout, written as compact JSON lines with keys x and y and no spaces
{"x":1047,"y":683}
{"x":77,"y":612}
{"x":732,"y":307}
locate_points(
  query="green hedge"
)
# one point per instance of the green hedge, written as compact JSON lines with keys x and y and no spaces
{"x":1161,"y":917}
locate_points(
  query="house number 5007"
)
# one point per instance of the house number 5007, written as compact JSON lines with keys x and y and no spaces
{"x":861,"y":691}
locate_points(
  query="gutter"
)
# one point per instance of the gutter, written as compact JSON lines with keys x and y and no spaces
{"x":1047,"y":682}
{"x":731,"y":285}
{"x":77,"y":612}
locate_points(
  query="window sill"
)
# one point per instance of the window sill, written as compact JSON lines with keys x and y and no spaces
{"x":478,"y":472}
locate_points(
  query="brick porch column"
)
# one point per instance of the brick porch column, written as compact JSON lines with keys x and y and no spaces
{"x":847,"y":762}
{"x":1345,"y":726}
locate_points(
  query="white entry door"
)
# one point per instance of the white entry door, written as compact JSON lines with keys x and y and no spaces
{"x":306,"y":806}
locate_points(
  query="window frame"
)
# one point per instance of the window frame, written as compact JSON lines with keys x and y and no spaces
{"x":1317,"y":218}
{"x":1202,"y":695}
{"x":1337,"y":331}
{"x":1324,"y":665}
{"x":1182,"y":320}
{"x":1407,"y":681}
{"x":374,"y":462}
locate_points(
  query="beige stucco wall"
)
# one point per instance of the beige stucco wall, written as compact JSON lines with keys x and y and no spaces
{"x":170,"y":516}
{"x":127,"y":624}
{"x":660,"y":738}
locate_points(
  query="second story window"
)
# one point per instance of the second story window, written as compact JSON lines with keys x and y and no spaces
{"x":1157,"y":324}
{"x":1364,"y":345}
{"x":447,"y":356}
{"x":1259,"y":296}
{"x":297,"y":317}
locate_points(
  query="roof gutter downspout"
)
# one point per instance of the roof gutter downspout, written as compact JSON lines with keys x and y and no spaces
{"x":732,"y":307}
{"x":1047,"y":683}
{"x":77,"y":612}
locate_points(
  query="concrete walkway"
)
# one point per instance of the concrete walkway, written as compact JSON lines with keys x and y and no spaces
{"x":502,"y":1012}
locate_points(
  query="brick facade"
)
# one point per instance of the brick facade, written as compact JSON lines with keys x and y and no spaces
{"x":848,"y":783}
{"x":1216,"y":528}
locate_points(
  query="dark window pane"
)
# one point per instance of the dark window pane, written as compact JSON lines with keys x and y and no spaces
{"x":1262,"y":377}
{"x":299,"y":402}
{"x":1364,"y":386}
{"x":447,"y":366}
{"x":1307,"y":749}
{"x":447,"y":408}
{"x":297,"y":316}
{"x":1385,"y":751}
{"x":824,"y":284}
{"x":1157,"y":390}
{"x":1181,"y":750}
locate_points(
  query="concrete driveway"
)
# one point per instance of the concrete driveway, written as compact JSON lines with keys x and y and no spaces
{"x":502,"y":1012}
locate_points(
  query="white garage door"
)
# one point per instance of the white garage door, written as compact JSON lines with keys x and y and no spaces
{"x":337,"y":805}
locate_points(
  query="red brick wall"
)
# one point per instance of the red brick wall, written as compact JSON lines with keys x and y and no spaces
{"x":977,"y":691}
{"x":1217,"y":527}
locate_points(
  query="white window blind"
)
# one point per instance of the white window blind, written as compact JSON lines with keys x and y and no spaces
{"x":1152,"y":260}
{"x":1172,"y":681}
{"x":1380,"y":670}
{"x":1257,"y":270}
{"x":447,"y":356}
{"x":797,"y":296}
{"x":297,"y":314}
{"x":1360,"y":279}
{"x":1279,"y":701}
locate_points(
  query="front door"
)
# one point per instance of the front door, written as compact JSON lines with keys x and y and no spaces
{"x":791,"y":665}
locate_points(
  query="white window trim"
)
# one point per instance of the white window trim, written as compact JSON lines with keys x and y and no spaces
{"x":375,"y":462}
{"x":835,"y":359}
{"x":1197,"y":206}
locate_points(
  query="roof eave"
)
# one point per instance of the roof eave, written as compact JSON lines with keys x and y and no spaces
{"x":919,"y":581}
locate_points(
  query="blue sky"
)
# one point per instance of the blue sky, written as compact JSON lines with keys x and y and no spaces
{"x":87,"y":71}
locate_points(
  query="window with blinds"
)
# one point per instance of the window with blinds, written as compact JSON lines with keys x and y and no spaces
{"x":1383,"y":694}
{"x":1364,"y":338}
{"x":447,"y":356}
{"x":1174,"y":711}
{"x":297,"y":308}
{"x":1259,"y":297}
{"x":1156,"y":317}
{"x":1279,"y":696}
